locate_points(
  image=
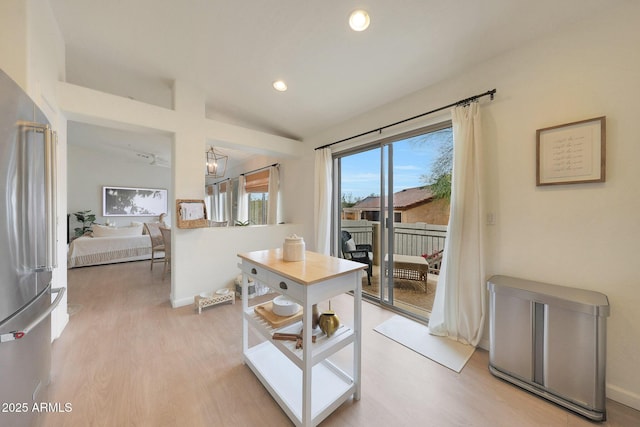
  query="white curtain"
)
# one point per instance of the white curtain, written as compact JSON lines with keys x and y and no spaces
{"x":459,"y":306}
{"x":215,"y":203}
{"x":243,"y":200}
{"x":228,"y":204}
{"x":322,"y":200}
{"x":274,"y":196}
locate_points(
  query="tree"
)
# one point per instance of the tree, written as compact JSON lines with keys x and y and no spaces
{"x":439,"y":180}
{"x":349,"y":200}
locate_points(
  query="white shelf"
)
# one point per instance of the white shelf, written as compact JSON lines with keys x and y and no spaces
{"x":321,"y":349}
{"x":330,"y":387}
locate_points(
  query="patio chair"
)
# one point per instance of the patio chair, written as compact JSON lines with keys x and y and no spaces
{"x":357,"y":252}
{"x":434,"y":260}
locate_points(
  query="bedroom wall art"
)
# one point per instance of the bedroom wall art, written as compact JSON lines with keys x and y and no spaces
{"x":131,"y":201}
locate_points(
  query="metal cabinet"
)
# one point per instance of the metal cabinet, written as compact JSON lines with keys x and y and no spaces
{"x":550,"y":340}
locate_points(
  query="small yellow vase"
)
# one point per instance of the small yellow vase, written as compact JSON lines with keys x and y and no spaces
{"x":328,"y":322}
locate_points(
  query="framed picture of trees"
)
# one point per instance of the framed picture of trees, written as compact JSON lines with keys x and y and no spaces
{"x":131,"y":201}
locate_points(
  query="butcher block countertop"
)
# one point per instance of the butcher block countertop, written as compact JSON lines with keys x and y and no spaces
{"x":313,"y":269}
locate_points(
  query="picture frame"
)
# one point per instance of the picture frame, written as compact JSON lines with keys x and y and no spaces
{"x":133,"y":201}
{"x":572,"y":153}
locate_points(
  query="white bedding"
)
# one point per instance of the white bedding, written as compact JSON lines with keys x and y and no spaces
{"x":106,"y":250}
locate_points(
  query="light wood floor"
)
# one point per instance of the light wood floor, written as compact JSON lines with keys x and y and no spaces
{"x":128,"y":359}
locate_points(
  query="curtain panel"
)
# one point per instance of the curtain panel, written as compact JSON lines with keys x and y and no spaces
{"x":273,"y":185}
{"x":322,"y":200}
{"x":459,"y":306}
{"x":213,"y":191}
{"x":243,"y":200}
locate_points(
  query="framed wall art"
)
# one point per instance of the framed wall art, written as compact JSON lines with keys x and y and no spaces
{"x":572,"y":153}
{"x":131,"y":201}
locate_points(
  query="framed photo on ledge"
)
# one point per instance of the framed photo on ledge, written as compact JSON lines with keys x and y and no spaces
{"x":572,"y":153}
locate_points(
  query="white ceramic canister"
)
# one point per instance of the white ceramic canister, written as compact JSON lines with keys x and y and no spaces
{"x":293,"y":248}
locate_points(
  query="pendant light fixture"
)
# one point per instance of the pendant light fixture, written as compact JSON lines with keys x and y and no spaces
{"x":216,"y":163}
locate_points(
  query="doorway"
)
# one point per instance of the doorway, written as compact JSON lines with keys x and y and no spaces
{"x":393,"y":215}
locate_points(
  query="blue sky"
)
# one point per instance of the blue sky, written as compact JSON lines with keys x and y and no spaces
{"x":412,"y":158}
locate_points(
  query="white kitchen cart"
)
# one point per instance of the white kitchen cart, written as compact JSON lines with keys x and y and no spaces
{"x":305,"y":384}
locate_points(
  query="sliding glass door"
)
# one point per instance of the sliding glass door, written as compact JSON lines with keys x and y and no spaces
{"x":393,"y":218}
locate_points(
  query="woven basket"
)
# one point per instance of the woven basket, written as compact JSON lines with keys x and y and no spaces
{"x":191,"y":223}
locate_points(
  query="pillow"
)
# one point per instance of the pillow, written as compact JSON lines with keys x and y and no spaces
{"x":350,"y":245}
{"x":103,"y":231}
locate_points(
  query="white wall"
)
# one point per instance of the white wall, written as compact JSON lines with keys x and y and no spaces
{"x":89,"y":170}
{"x":13,"y":40}
{"x":216,"y":255}
{"x":587,"y":235}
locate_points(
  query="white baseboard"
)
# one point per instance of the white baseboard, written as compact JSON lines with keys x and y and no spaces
{"x":623,"y":396}
{"x":175,"y":303}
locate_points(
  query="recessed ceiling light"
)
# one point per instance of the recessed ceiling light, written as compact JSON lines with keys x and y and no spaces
{"x":359,"y":20}
{"x":279,"y":85}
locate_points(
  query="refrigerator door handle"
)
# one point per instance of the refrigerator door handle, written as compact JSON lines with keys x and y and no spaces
{"x":16,"y":335}
{"x":50,"y":143}
{"x":50,"y":176}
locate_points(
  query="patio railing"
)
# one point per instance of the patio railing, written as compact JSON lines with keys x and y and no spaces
{"x":361,"y":230}
{"x":409,"y":238}
{"x":419,"y":238}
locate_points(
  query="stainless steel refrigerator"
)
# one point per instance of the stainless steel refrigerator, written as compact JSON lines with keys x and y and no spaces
{"x":27,"y":254}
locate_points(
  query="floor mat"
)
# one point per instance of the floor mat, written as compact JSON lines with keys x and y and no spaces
{"x":415,"y":336}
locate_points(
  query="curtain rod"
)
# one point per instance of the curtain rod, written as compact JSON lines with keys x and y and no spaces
{"x":218,"y":182}
{"x":259,"y":169}
{"x":465,"y":101}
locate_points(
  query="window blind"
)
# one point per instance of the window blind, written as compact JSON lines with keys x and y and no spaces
{"x":257,"y":182}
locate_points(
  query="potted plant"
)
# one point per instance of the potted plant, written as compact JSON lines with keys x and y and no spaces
{"x":87,"y":219}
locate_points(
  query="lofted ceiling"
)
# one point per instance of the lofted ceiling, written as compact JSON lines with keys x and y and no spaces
{"x":152,"y":148}
{"x":234,"y":50}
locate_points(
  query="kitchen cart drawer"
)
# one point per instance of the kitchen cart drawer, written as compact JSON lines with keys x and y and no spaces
{"x":256,"y":272}
{"x":286,"y":286}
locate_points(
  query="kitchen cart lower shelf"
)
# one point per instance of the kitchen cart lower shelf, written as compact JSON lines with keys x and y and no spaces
{"x":283,"y":379}
{"x":322,"y":348}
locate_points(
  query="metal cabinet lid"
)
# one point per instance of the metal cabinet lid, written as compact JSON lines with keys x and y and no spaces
{"x":581,"y":300}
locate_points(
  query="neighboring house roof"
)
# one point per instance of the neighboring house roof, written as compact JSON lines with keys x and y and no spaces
{"x":402,"y":200}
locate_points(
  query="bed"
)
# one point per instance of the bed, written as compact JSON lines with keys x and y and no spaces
{"x":107,"y":245}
